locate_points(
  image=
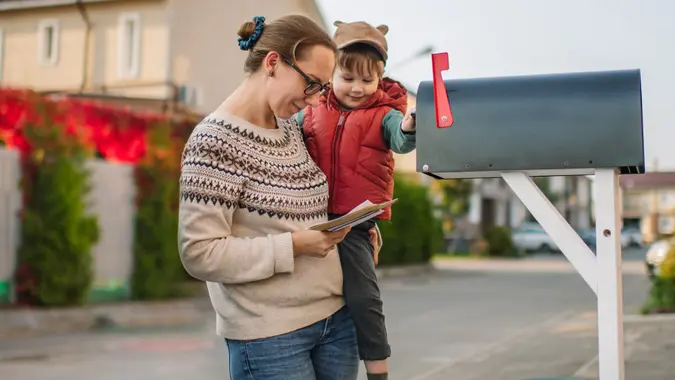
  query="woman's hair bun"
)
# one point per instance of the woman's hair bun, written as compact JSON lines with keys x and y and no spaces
{"x":250,"y":32}
{"x":246,"y":30}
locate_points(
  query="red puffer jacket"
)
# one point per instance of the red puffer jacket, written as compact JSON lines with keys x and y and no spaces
{"x":349,"y":148}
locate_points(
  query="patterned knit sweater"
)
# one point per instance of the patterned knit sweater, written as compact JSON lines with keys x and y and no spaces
{"x":243,"y":190}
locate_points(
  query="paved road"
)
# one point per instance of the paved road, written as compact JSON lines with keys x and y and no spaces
{"x":436,"y":322}
{"x":633,"y":263}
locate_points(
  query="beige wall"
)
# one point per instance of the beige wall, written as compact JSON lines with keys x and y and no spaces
{"x":10,"y":203}
{"x":20,"y":59}
{"x":637,"y":203}
{"x":204,"y":44}
{"x":21,"y":67}
{"x":112,"y":200}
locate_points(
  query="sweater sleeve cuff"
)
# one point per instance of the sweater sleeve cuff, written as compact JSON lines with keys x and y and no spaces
{"x":283,"y":253}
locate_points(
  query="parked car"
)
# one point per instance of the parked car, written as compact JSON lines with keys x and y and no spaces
{"x":655,"y":255}
{"x":631,"y":237}
{"x":627,"y":239}
{"x":532,"y":237}
{"x":588,"y":236}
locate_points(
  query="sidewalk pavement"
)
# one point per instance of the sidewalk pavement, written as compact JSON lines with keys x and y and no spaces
{"x":17,"y":322}
{"x":550,"y":264}
{"x":568,"y":350}
{"x":564,"y":348}
{"x":649,"y":349}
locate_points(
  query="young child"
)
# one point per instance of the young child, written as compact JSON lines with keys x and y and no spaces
{"x":351,"y":136}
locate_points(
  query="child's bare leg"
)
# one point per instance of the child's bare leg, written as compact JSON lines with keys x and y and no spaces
{"x":376,"y":367}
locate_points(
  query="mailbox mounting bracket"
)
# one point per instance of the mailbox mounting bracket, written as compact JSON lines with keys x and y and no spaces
{"x":602,"y":272}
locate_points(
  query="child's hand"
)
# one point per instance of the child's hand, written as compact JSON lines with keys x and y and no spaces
{"x":408,"y":124}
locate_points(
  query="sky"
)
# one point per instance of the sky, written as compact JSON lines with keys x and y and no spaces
{"x":486,"y":38}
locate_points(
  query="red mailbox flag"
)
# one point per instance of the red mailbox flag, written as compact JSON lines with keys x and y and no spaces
{"x":440,"y":63}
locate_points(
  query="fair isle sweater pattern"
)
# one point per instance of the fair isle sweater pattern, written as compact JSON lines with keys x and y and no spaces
{"x":228,"y":165}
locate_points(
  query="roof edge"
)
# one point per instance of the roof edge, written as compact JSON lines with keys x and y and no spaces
{"x":14,"y":5}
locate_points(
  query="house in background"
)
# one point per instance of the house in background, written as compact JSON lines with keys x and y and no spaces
{"x":142,"y":53}
{"x":573,"y":197}
{"x":649,"y":202}
{"x":495,"y":204}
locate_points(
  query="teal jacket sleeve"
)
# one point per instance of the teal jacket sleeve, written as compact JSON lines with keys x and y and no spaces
{"x":397,"y":141}
{"x":300,"y":118}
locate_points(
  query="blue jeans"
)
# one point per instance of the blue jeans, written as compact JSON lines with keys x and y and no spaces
{"x":325,"y":350}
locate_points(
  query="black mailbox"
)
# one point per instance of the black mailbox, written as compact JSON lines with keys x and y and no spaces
{"x":559,"y":124}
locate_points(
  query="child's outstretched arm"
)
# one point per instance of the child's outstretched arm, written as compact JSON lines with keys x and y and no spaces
{"x":398,"y":131}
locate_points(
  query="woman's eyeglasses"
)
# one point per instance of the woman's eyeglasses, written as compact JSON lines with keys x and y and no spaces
{"x":312,"y":85}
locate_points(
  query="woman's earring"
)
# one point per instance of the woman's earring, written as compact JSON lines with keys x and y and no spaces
{"x":271,"y":73}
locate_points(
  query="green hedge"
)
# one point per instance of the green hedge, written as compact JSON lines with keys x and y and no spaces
{"x":55,"y":264}
{"x":499,"y":243}
{"x":414,"y":234}
{"x":157,"y":271}
{"x":662,"y":293}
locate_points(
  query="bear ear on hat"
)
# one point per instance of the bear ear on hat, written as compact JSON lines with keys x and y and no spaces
{"x":383,"y":28}
{"x":338,"y":23}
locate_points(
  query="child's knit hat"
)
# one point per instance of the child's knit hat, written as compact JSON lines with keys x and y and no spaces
{"x":360,"y":32}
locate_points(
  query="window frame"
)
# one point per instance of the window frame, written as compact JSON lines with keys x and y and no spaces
{"x":43,"y":25}
{"x":129,"y":53}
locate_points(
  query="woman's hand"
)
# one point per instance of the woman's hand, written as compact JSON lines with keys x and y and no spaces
{"x":316,"y":243}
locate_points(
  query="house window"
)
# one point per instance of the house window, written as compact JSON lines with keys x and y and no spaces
{"x":48,"y":42}
{"x":129,"y":45}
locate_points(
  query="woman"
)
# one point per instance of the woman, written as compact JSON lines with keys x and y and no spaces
{"x":249,"y":190}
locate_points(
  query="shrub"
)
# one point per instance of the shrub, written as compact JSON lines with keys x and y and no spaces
{"x":414,"y":234}
{"x":57,"y":234}
{"x":499,"y":242}
{"x":662,"y":293}
{"x":158,"y":272}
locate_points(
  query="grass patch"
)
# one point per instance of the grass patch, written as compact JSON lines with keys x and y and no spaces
{"x":457,"y":256}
